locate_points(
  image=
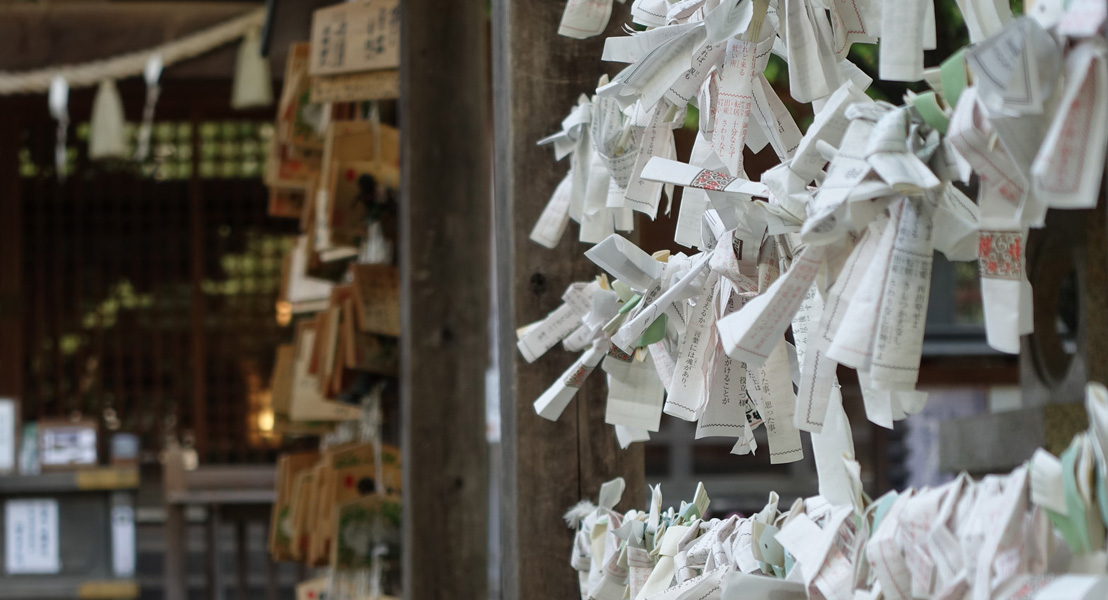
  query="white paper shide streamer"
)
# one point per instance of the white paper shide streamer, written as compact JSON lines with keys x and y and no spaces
{"x":106,"y":137}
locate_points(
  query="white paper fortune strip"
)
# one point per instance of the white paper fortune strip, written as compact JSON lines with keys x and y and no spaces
{"x":832,"y":247}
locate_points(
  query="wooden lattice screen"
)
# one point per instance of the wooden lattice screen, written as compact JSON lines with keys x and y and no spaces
{"x":147,"y":297}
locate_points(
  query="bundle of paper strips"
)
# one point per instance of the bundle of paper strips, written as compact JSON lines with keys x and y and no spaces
{"x":966,"y":539}
{"x":836,"y":242}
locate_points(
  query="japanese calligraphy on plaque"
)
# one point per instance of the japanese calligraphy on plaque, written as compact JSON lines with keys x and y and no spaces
{"x":355,"y":36}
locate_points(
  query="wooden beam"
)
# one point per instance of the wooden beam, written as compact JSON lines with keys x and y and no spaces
{"x":445,"y":238}
{"x":36,"y":36}
{"x":546,"y":467}
{"x":292,"y":22}
{"x":40,"y":35}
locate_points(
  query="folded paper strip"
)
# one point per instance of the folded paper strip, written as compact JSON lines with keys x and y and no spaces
{"x":825,"y":259}
{"x":981,"y":539}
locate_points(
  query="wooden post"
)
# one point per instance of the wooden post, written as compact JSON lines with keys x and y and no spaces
{"x":270,"y":576}
{"x":211,"y":543}
{"x":175,"y":558}
{"x":174,"y":565}
{"x":1067,"y":264}
{"x":546,"y":467}
{"x":1093,"y":334}
{"x":445,"y":238}
{"x":196,"y":298}
{"x":242,"y":560}
{"x":11,"y":262}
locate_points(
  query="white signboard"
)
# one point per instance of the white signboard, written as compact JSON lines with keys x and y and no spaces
{"x":7,"y":435}
{"x":68,"y":446}
{"x":123,"y":540}
{"x":31,"y":536}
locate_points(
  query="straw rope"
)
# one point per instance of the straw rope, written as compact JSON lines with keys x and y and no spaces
{"x":133,"y":63}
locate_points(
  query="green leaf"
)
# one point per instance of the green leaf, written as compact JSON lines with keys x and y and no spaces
{"x":655,"y":333}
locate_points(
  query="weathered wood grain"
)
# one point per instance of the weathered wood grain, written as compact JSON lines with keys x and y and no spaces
{"x":445,"y":237}
{"x":546,"y":467}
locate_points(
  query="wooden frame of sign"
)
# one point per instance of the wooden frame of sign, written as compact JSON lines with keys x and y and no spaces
{"x":356,"y":87}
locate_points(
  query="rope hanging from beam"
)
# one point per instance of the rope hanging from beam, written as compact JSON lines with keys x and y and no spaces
{"x":132,"y":63}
